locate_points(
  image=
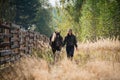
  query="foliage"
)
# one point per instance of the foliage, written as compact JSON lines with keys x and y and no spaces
{"x":7,"y":10}
{"x":43,"y":21}
{"x":91,"y":19}
{"x":27,"y":13}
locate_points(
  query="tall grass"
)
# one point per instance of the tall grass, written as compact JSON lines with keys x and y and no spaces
{"x":93,"y":61}
{"x":103,"y":49}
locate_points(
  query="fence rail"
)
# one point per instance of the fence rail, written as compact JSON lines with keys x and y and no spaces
{"x":15,"y":41}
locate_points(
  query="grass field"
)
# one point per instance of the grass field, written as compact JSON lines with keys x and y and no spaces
{"x":98,"y":60}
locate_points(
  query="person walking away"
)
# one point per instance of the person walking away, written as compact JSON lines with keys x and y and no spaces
{"x":70,"y":42}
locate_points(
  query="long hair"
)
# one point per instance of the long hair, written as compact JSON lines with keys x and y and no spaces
{"x":53,"y":37}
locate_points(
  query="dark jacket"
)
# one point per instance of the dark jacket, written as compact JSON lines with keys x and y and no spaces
{"x":70,"y":40}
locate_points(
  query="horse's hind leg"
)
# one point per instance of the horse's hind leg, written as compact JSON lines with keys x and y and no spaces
{"x":54,"y":52}
{"x":54,"y":56}
{"x":57,"y":56}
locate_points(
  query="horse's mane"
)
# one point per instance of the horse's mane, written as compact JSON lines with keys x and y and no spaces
{"x":53,"y":37}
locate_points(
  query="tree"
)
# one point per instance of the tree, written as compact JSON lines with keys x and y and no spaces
{"x":7,"y":10}
{"x":43,"y":20}
{"x":93,"y":18}
{"x":26,"y":12}
{"x":107,"y":20}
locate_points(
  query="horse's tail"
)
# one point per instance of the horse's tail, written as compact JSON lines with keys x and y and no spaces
{"x":53,"y":37}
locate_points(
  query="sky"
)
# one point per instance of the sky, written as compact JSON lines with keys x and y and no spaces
{"x":53,"y":2}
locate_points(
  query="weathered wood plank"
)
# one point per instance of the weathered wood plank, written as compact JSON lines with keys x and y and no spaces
{"x":15,"y":46}
{"x":5,"y":53}
{"x":4,"y":61}
{"x":14,"y":26}
{"x":4,"y":44}
{"x":6,"y":35}
{"x":7,"y":26}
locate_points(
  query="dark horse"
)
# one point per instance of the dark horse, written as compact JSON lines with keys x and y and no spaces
{"x":56,"y":42}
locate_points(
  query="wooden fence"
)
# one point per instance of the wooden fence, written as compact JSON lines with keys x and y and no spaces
{"x":15,"y":41}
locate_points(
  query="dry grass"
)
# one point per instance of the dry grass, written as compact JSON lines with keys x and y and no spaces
{"x":31,"y":68}
{"x":103,"y":49}
{"x":93,"y":61}
{"x":101,"y":45}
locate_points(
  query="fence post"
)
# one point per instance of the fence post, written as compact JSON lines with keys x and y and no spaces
{"x":4,"y":43}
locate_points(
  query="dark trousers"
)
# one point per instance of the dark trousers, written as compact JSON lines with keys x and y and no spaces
{"x":70,"y":51}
